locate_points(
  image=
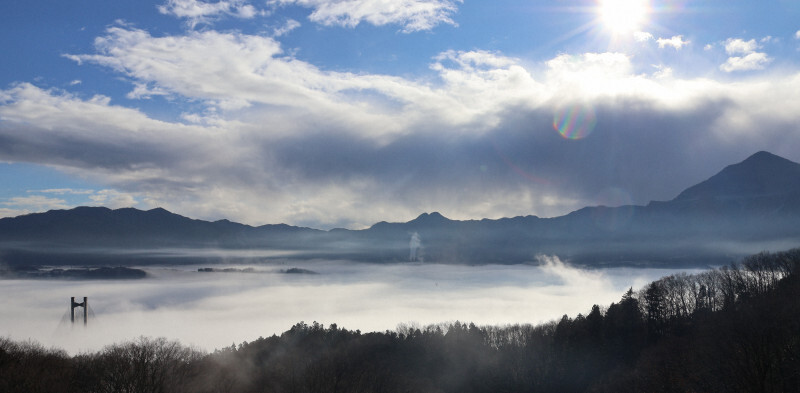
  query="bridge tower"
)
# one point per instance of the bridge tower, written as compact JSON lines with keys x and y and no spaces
{"x":85,"y":306}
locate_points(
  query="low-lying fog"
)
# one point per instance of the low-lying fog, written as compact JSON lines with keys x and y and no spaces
{"x":213,"y":310}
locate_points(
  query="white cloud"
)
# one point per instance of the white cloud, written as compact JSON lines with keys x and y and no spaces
{"x":662,"y":72}
{"x":290,"y":25}
{"x":197,"y":11}
{"x":231,"y":71}
{"x":38,"y":203}
{"x":738,"y":46}
{"x":113,"y":199}
{"x":591,"y":76}
{"x":328,"y":148}
{"x":479,"y":86}
{"x":6,"y":212}
{"x":413,"y":15}
{"x":35,"y":203}
{"x":797,"y":35}
{"x":748,"y":60}
{"x":642,"y":36}
{"x":676,"y":42}
{"x":143,"y":91}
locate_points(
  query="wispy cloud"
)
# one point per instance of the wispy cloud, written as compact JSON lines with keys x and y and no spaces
{"x":412,"y":15}
{"x":287,"y":27}
{"x":63,"y":191}
{"x":17,"y":206}
{"x":36,"y":201}
{"x":112,"y":199}
{"x":68,"y":198}
{"x":197,"y":11}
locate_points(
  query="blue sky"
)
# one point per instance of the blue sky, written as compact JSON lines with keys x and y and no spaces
{"x":329,"y":113}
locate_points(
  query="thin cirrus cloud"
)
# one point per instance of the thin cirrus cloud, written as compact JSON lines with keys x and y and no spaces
{"x":329,"y":148}
{"x":412,"y":15}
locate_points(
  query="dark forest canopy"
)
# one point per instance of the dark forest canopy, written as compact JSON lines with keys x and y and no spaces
{"x":732,"y":329}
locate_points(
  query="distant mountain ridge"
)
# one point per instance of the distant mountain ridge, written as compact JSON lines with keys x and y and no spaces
{"x":744,"y":208}
{"x":761,"y":174}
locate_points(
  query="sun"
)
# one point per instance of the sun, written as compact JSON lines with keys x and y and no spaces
{"x":623,"y":16}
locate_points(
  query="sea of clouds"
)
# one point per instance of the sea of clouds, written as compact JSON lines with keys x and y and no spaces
{"x":214,"y":310}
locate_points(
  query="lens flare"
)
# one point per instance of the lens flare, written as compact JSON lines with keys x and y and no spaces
{"x":670,"y":6}
{"x":575,"y":122}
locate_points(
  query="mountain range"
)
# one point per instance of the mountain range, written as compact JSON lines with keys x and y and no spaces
{"x":745,"y":208}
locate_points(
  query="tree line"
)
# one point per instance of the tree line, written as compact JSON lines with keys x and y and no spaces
{"x":734,"y":329}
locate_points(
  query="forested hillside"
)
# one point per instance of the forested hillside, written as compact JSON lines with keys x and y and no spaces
{"x":732,"y":329}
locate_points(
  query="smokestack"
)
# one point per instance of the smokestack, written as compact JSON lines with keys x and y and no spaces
{"x":85,"y":310}
{"x":414,"y":245}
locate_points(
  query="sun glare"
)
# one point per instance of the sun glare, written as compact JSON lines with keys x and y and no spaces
{"x":623,"y":16}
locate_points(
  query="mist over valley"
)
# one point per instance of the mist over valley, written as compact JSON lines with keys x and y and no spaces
{"x":211,"y":310}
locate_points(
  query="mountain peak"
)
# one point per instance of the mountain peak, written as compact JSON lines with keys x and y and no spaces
{"x":762,"y":173}
{"x":434,"y":217}
{"x":765,"y":158}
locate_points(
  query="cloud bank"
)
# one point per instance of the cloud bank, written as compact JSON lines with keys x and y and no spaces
{"x":214,"y":310}
{"x":267,"y":137}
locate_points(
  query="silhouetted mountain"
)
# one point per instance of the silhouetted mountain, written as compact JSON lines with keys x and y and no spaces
{"x":103,"y":227}
{"x":745,"y":208}
{"x":762,"y":174}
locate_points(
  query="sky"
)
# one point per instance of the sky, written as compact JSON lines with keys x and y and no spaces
{"x":343,"y":113}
